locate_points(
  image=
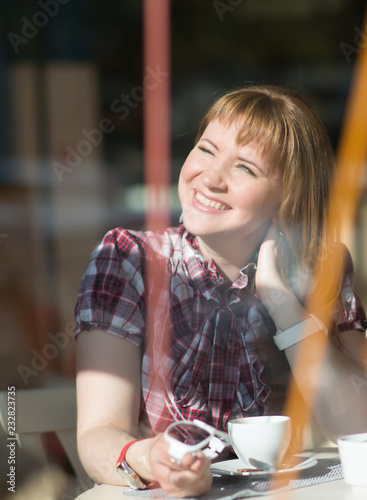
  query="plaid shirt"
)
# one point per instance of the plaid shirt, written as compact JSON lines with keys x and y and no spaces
{"x":213,"y":368}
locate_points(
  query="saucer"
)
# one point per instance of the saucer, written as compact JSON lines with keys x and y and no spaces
{"x":231,"y":467}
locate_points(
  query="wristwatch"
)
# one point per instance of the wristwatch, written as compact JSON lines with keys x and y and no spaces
{"x":129,"y":475}
{"x":296,"y":333}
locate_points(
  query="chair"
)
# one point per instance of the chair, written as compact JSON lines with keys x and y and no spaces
{"x":45,"y":410}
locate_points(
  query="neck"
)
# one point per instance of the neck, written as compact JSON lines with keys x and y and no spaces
{"x":229,"y":259}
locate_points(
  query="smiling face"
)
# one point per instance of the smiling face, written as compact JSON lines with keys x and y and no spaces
{"x":229,"y":192}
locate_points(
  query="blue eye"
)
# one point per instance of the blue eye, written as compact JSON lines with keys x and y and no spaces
{"x":245,"y":168}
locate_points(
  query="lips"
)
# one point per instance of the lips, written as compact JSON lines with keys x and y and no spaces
{"x":211,"y":203}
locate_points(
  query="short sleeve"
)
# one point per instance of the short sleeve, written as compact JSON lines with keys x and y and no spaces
{"x":112,"y":292}
{"x":352,"y":315}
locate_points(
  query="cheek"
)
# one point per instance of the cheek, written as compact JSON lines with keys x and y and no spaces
{"x":188,"y":172}
{"x":190,"y":168}
{"x":184,"y":173}
{"x":263,"y":199}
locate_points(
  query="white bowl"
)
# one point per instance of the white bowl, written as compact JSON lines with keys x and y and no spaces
{"x":353,"y":457}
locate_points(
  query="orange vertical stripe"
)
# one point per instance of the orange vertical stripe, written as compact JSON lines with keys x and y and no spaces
{"x":351,"y":157}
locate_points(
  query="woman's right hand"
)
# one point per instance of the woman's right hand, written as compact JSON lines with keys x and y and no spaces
{"x":190,"y":478}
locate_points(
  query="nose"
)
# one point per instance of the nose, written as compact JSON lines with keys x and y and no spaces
{"x":214,"y":178}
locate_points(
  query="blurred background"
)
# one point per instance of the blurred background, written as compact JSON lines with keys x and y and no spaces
{"x":71,"y":157}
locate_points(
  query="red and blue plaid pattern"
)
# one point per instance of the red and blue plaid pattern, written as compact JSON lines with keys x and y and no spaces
{"x":209,"y":366}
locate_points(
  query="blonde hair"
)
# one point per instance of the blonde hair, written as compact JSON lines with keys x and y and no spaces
{"x":289,"y":132}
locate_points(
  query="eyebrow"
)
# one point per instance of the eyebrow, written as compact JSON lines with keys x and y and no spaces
{"x":244,"y":160}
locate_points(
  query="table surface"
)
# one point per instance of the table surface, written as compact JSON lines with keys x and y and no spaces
{"x":332,"y":490}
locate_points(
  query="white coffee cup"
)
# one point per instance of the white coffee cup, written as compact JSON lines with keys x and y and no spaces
{"x":261,"y":442}
{"x":353,"y":457}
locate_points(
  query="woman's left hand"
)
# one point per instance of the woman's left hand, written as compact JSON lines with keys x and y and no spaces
{"x":272,"y":280}
{"x":272,"y":265}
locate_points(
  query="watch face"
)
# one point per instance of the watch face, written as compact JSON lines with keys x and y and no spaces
{"x":130,"y":476}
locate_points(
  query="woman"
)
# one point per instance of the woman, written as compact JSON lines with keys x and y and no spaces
{"x":219,"y":289}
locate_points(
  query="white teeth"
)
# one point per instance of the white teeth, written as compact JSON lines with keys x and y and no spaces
{"x":210,"y":203}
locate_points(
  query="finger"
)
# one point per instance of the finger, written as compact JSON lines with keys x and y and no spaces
{"x":199,"y":467}
{"x":189,"y":459}
{"x":201,"y":462}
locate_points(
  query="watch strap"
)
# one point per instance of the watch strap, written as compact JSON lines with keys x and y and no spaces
{"x":128,"y":474}
{"x":296,"y":333}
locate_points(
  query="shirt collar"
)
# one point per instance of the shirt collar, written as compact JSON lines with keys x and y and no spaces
{"x":209,"y":275}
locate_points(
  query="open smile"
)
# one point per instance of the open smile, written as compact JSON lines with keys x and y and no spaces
{"x":211,"y":203}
